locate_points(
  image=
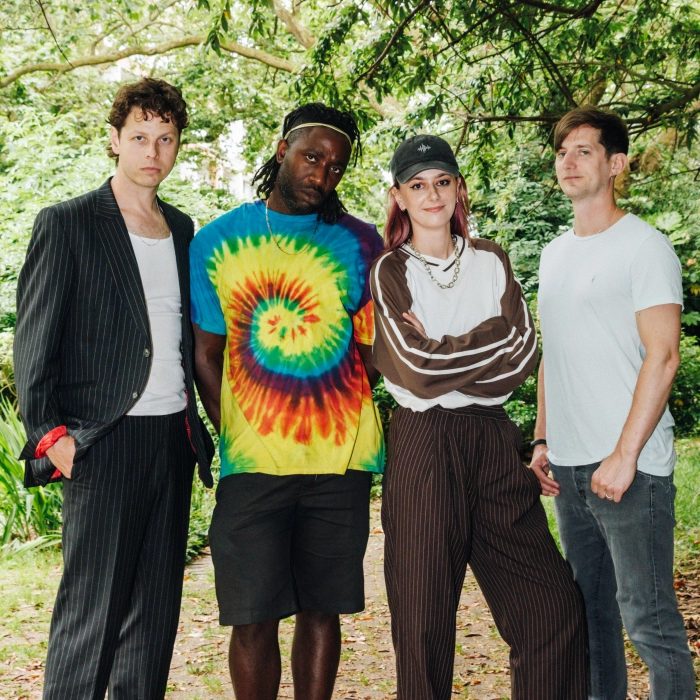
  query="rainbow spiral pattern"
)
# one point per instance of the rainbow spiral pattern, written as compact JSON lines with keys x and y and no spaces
{"x":296,"y":398}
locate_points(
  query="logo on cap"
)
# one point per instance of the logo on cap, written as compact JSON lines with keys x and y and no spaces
{"x":424,"y":147}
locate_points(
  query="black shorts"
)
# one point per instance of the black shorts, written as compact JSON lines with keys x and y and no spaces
{"x":282,"y":544}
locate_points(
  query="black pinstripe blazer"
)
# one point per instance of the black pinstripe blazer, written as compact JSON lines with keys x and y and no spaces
{"x":83,"y":347}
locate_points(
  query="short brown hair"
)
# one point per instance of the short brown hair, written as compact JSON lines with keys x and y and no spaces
{"x":154,"y":98}
{"x":612,"y":130}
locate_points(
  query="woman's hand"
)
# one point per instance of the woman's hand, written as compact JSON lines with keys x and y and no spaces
{"x":412,"y":320}
{"x":540,"y":466}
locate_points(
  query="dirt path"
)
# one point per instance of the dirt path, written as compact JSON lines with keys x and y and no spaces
{"x":481,"y":672}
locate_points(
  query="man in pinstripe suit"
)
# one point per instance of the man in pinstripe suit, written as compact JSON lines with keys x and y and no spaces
{"x":103,"y":362}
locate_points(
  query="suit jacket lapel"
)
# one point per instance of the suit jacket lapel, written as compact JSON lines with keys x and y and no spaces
{"x":111,"y":230}
{"x":181,"y":253}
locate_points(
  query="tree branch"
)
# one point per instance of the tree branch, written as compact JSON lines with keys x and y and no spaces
{"x":114,"y":56}
{"x":294,"y":26}
{"x":656,"y":112}
{"x":367,"y":75}
{"x":548,"y":63}
{"x":510,"y":118}
{"x":676,"y":85}
{"x":585,"y":11}
{"x":462,"y":136}
{"x":48,"y":24}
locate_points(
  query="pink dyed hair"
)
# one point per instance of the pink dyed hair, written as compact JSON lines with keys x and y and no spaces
{"x":398,"y":224}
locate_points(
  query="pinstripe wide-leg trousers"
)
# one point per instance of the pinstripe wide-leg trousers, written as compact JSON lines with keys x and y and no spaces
{"x":457,"y":492}
{"x":125,"y":521}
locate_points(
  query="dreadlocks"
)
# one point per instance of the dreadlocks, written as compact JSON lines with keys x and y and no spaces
{"x":332,"y":209}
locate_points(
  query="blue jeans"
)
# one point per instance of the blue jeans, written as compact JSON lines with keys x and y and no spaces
{"x":622,"y":557}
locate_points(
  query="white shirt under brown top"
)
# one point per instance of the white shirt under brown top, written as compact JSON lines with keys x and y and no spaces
{"x":482,"y":342}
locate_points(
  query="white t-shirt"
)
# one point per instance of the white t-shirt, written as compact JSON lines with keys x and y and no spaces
{"x":165,"y":390}
{"x":590,"y":289}
{"x":475,"y":298}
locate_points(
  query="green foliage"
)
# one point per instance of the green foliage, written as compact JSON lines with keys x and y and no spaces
{"x":491,"y":78}
{"x":663,"y":190}
{"x":516,"y":203}
{"x":522,"y":407}
{"x":685,"y":397}
{"x":47,"y":159}
{"x":686,"y":478}
{"x":385,"y":404}
{"x":203,"y":502}
{"x":25,"y":515}
{"x":43,"y":160}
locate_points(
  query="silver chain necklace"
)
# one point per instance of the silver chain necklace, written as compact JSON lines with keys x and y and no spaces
{"x":606,"y":227}
{"x":272,"y":235}
{"x":427,"y":266}
{"x":150,"y":245}
{"x":158,"y":240}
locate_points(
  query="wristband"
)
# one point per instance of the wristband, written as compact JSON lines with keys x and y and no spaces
{"x":49,"y":440}
{"x":534,"y":443}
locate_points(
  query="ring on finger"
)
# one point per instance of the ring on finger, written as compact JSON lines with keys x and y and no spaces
{"x":609,"y":497}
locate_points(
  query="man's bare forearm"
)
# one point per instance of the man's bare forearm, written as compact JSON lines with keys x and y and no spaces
{"x":648,"y":404}
{"x":541,"y":422}
{"x":659,"y":330}
{"x":209,"y":388}
{"x":209,"y":370}
{"x":366,"y":355}
{"x":539,"y":462}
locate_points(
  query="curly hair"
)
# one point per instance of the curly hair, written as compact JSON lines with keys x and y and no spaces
{"x":332,"y":208}
{"x":155,"y":98}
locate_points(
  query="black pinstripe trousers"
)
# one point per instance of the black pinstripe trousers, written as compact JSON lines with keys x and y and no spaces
{"x":457,"y":492}
{"x":125,"y":521}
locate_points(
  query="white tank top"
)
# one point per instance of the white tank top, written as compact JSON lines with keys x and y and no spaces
{"x":165,"y":390}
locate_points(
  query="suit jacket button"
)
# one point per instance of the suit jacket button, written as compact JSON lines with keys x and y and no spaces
{"x":135,"y":395}
{"x":146,"y":353}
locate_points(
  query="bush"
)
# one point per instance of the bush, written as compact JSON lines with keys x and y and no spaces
{"x":685,"y":396}
{"x":203,"y":502}
{"x":522,"y":407}
{"x":31,"y":518}
{"x":25,"y":515}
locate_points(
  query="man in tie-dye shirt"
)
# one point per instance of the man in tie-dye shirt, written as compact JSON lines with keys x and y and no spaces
{"x":283,"y":326}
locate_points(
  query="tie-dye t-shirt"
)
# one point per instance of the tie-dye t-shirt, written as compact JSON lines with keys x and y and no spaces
{"x":295,"y":398}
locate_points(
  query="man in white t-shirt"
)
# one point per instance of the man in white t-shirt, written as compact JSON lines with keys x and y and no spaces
{"x":610,"y":300}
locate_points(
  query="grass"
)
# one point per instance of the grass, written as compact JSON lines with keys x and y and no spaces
{"x":687,"y":481}
{"x":28,"y":585}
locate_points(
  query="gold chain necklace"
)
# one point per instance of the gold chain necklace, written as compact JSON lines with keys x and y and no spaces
{"x":272,"y":235}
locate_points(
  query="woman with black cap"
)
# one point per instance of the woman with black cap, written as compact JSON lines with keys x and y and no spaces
{"x":454,"y":338}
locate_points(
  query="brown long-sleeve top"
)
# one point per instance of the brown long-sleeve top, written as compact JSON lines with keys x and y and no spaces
{"x":494,"y":348}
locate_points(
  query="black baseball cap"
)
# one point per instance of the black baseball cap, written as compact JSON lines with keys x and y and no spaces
{"x":422,"y":152}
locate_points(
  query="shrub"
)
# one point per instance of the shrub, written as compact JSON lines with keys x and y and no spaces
{"x":25,"y":515}
{"x":685,"y":396}
{"x":522,"y":407}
